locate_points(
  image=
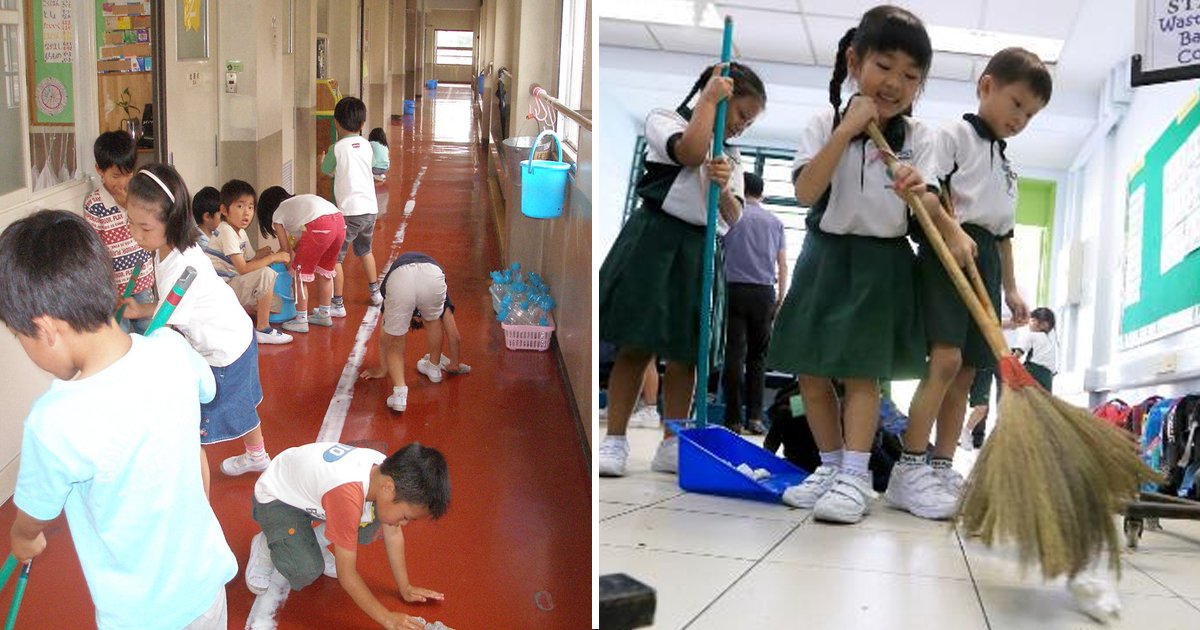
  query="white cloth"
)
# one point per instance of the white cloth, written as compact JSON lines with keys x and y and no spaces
{"x":983,"y":184}
{"x":688,"y":195}
{"x":417,"y":286}
{"x":300,"y":476}
{"x":209,"y":315}
{"x":232,"y":241}
{"x":127,"y":473}
{"x":1041,"y":348}
{"x":861,"y":199}
{"x":353,"y":182}
{"x":295,"y":213}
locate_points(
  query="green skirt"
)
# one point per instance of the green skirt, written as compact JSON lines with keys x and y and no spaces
{"x":851,"y":311}
{"x":1041,"y":374}
{"x":650,"y":286}
{"x":947,"y":320}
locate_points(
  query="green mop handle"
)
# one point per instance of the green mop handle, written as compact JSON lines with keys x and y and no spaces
{"x":6,"y":570}
{"x":137,"y":270}
{"x":15,"y":606}
{"x":710,"y":241}
{"x":168,"y":306}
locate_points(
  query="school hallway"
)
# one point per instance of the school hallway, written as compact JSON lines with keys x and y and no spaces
{"x":718,"y":562}
{"x":513,"y":550}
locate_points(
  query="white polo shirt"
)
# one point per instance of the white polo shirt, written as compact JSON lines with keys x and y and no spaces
{"x":982,"y":182}
{"x":295,"y":213}
{"x":861,"y":200}
{"x":1041,"y":348}
{"x":353,"y":183}
{"x":209,"y":316}
{"x":681,"y":191}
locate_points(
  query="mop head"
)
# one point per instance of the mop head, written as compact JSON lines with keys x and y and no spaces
{"x":1050,"y":479}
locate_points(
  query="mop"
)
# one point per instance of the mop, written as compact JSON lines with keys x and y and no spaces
{"x":1051,"y":476}
{"x":171,"y":301}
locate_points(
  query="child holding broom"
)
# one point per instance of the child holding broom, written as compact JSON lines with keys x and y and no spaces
{"x":977,"y":177}
{"x":649,"y":282}
{"x":851,"y":312}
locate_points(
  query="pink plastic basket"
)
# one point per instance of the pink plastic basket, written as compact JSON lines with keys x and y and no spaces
{"x":517,"y":337}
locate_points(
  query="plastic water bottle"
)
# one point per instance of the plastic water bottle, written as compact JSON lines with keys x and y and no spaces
{"x":499,"y":289}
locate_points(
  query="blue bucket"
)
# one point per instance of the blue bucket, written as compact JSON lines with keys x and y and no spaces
{"x":285,"y":293}
{"x":410,"y":107}
{"x":708,"y":460}
{"x":431,"y":84}
{"x":543,"y":182}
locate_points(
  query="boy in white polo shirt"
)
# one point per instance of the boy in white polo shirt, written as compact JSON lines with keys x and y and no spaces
{"x":349,"y":163}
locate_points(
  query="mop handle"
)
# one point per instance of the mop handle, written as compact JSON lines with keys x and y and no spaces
{"x":172,"y":300}
{"x":6,"y":570}
{"x":710,"y":240}
{"x":18,"y":593}
{"x":972,"y":269}
{"x":986,"y":323}
{"x":137,"y":270}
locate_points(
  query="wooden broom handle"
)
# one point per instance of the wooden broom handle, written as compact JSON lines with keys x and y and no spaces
{"x":983,"y":319}
{"x":972,"y":269}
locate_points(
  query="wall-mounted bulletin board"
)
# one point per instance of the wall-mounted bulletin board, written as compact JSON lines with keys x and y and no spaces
{"x":1161,"y":290}
{"x":123,"y":36}
{"x":50,"y":81}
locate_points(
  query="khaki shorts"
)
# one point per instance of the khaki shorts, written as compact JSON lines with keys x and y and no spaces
{"x":216,"y":617}
{"x":419,"y":286}
{"x":251,"y":286}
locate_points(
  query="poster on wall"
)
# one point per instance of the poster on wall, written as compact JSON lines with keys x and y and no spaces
{"x":51,"y":83}
{"x":58,"y":39}
{"x":1161,"y":286}
{"x":192,"y":29}
{"x":1166,"y":41}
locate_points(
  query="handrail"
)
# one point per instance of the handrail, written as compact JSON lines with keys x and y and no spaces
{"x":536,"y":90}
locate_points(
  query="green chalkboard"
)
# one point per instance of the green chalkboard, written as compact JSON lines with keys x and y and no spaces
{"x":51,"y":56}
{"x":1161,"y":287}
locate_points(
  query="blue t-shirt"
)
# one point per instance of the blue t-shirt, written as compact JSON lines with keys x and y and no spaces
{"x":752,"y":247}
{"x":120,"y":453}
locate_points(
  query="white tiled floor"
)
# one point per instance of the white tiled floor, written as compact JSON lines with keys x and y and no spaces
{"x":727,"y":563}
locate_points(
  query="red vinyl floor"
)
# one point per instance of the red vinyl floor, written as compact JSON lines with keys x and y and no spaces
{"x":513,"y":551}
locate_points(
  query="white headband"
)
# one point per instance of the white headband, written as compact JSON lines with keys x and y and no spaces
{"x":159,"y":182}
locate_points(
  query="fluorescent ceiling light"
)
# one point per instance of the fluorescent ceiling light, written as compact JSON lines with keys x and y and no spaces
{"x":676,"y":12}
{"x":987,"y":43}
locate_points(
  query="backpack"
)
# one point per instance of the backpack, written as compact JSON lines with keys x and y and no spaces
{"x":1175,"y":435}
{"x":1150,"y":445}
{"x":1137,"y":413}
{"x":1114,"y":412}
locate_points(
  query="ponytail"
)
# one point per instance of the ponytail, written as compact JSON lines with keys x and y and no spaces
{"x":840,"y":70}
{"x":745,"y":83}
{"x":696,"y":87}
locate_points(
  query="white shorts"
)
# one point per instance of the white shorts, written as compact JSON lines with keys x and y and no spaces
{"x":419,"y":286}
{"x":251,"y":286}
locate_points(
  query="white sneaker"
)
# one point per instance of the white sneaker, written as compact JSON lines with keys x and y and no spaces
{"x":244,"y":463}
{"x":272,"y":336}
{"x":919,"y":490}
{"x":376,"y":298}
{"x":645,"y":418}
{"x":337,"y":310}
{"x":805,"y":494}
{"x":846,"y":502}
{"x":296,"y":326}
{"x":951,"y":479}
{"x":259,"y":568}
{"x":666,"y":458}
{"x":398,"y":401}
{"x":614,"y":451}
{"x":1095,"y":596}
{"x":427,"y":368}
{"x":326,"y":554}
{"x":965,"y":440}
{"x":463,"y":368}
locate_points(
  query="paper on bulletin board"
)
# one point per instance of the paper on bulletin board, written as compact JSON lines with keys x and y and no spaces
{"x":51,"y":84}
{"x":1181,"y":204}
{"x":58,"y":40}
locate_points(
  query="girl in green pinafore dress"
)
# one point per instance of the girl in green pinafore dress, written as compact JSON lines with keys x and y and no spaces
{"x":851,"y":312}
{"x":650,"y":281}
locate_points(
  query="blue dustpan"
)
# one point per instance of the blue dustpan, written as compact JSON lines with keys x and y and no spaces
{"x":708,"y":460}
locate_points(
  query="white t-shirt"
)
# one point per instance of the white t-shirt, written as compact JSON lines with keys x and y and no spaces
{"x":861,"y":199}
{"x":686,"y":196}
{"x":209,"y":315}
{"x":1041,"y":348}
{"x":353,"y":182}
{"x":295,"y":213}
{"x":232,"y":241}
{"x":127,"y":473}
{"x":982,"y":181}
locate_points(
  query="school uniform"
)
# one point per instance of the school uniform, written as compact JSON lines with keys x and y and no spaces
{"x":1041,"y":357}
{"x":983,"y":187}
{"x":650,"y":282}
{"x":851,"y":310}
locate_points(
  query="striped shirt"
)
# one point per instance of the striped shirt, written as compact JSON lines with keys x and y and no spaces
{"x":111,"y":223}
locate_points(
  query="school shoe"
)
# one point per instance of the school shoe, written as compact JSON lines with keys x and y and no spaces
{"x":337,"y":310}
{"x":463,"y":368}
{"x":398,"y":401}
{"x":296,"y":326}
{"x":1095,"y":596}
{"x":965,"y":441}
{"x":614,"y":452}
{"x":427,"y":368}
{"x":326,"y":555}
{"x":645,"y":417}
{"x":755,"y":426}
{"x":259,"y":568}
{"x":846,"y":502}
{"x":951,"y":479}
{"x":376,"y":298}
{"x":272,"y":336}
{"x":666,"y":458}
{"x":316,"y":319}
{"x":244,"y":463}
{"x":805,"y":494}
{"x":916,"y":488}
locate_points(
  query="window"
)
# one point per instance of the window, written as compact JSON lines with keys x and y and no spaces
{"x":12,"y":171}
{"x":779,"y":196}
{"x":572,"y":61}
{"x":454,"y":48}
{"x":10,"y":67}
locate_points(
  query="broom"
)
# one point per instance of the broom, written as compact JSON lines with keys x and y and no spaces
{"x":710,"y":239}
{"x":1051,"y":477}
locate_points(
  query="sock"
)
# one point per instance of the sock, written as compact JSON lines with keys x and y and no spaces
{"x":941,"y":462}
{"x":373,"y":286}
{"x":832,"y":458}
{"x":323,"y":311}
{"x":399,"y":390}
{"x":911,"y":459}
{"x":302,"y":317}
{"x":338,"y":301}
{"x":258,"y":452}
{"x":855,"y":463}
{"x":265,"y":329}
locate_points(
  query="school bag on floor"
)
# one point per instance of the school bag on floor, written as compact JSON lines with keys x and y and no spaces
{"x":1175,"y":434}
{"x":1114,"y":412}
{"x":1150,"y":445}
{"x":1137,"y":413}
